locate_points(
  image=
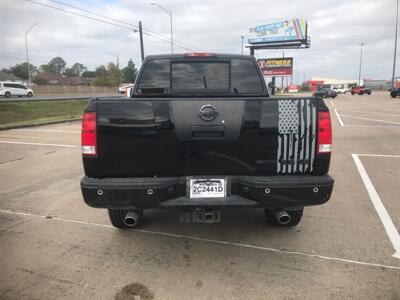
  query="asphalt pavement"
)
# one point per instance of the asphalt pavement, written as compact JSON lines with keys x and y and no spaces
{"x":54,"y":246}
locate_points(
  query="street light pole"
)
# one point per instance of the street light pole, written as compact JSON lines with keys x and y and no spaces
{"x":359,"y":70}
{"x":242,"y":42}
{"x":168,"y":12}
{"x":395,"y":45}
{"x":27,"y":52}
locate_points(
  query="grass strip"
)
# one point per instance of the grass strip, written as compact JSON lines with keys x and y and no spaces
{"x":40,"y":112}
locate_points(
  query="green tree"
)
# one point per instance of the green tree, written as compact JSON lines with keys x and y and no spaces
{"x":69,"y":72}
{"x":129,"y":73}
{"x":45,"y":68}
{"x":101,"y":76}
{"x":112,"y":74}
{"x":78,"y":68}
{"x":21,"y":70}
{"x":89,"y":74}
{"x":56,"y":66}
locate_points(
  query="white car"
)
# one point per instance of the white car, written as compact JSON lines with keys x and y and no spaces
{"x":8,"y":89}
{"x":340,"y":90}
{"x":122,"y":87}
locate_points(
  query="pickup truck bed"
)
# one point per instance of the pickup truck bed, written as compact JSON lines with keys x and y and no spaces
{"x":268,"y":152}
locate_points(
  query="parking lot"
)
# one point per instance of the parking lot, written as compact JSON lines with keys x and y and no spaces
{"x":54,"y":246}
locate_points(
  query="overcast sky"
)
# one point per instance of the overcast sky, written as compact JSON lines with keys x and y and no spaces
{"x":335,"y":27}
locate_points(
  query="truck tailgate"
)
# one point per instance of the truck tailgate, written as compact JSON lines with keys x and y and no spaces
{"x":206,"y":136}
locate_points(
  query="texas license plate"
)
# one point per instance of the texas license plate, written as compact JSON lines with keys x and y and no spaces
{"x":207,"y":188}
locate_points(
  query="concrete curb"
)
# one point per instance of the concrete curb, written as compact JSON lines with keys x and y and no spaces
{"x":40,"y":124}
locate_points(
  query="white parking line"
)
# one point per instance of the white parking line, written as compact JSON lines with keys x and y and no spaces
{"x":374,"y":126}
{"x":368,"y":119}
{"x":379,"y":155}
{"x":38,"y":144}
{"x":369,"y":113}
{"x":194,"y":238}
{"x":387,"y":222}
{"x":46,"y":130}
{"x":339,"y":118}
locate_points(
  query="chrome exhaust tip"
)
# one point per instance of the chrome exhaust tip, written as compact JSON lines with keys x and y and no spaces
{"x":131,"y":218}
{"x":282,"y":217}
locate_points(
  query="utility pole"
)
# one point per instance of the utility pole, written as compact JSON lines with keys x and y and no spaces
{"x":395,"y":44}
{"x":283,"y":55}
{"x":141,"y":40}
{"x":27,"y":53}
{"x":117,"y":72}
{"x":359,"y":70}
{"x":168,"y":12}
{"x":242,"y":42}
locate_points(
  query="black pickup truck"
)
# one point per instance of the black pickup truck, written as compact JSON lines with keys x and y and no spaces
{"x":200,"y":133}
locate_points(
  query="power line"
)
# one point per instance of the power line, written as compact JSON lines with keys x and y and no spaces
{"x":78,"y":14}
{"x":131,"y":26}
{"x":119,"y":21}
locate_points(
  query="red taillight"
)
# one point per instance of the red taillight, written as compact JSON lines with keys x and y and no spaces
{"x":89,"y":136}
{"x":324,"y":132}
{"x":200,"y":54}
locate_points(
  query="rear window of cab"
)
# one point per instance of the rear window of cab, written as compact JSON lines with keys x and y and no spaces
{"x":231,"y":76}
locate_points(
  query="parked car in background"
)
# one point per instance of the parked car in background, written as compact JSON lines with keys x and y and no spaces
{"x":325,"y":93}
{"x":129,"y":89}
{"x":8,"y":89}
{"x":123,"y":86}
{"x":360,"y":90}
{"x":340,"y":90}
{"x":394,"y":92}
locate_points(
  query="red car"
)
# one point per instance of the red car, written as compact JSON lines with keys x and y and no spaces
{"x":360,"y":90}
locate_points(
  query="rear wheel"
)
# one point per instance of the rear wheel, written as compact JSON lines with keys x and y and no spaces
{"x":7,"y":94}
{"x":393,"y":95}
{"x":117,"y":217}
{"x":30,"y":94}
{"x":295,"y":218}
{"x":352,"y":92}
{"x":361,"y":93}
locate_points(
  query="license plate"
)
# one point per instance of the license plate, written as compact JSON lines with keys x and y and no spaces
{"x":207,"y":188}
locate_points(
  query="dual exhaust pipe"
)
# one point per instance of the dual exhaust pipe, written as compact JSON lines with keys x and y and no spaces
{"x":132,"y":217}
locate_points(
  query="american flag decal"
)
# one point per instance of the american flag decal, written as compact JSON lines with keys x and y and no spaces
{"x":296,"y":136}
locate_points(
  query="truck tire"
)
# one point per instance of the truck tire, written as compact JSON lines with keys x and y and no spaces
{"x":117,"y":217}
{"x":295,"y":218}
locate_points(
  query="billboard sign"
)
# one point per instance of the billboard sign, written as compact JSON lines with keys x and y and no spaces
{"x":287,"y":30}
{"x":276,"y":66}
